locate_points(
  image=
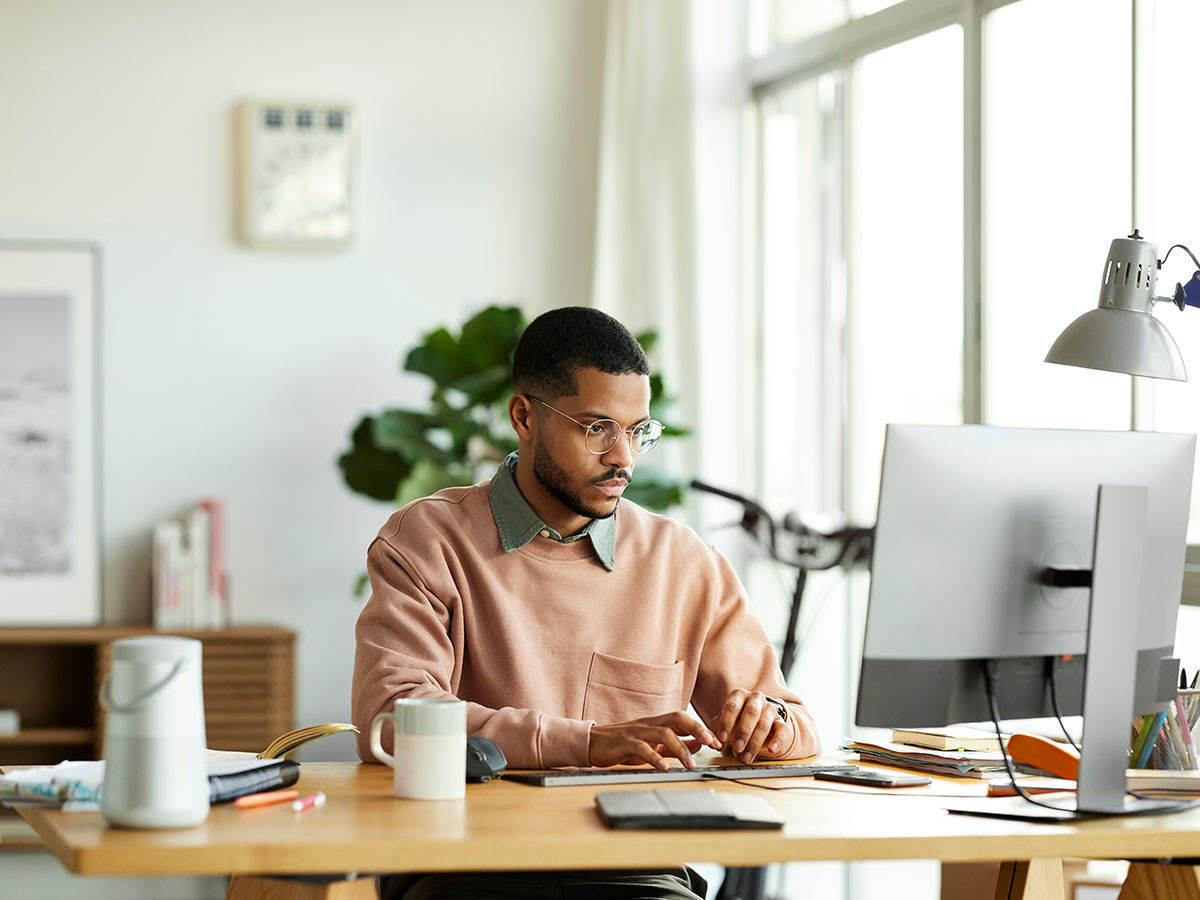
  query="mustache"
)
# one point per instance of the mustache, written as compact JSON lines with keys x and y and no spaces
{"x":613,"y":474}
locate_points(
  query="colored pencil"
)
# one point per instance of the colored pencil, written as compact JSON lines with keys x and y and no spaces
{"x":1156,"y":725}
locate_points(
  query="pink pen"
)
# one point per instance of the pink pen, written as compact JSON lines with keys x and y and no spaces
{"x":312,"y":800}
{"x":1189,"y":749}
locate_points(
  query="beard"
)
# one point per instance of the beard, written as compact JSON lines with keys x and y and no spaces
{"x":555,"y":480}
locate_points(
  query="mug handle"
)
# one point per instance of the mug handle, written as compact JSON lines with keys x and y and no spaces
{"x":376,"y":747}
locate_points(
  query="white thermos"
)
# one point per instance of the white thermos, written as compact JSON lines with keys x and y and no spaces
{"x":155,"y":775}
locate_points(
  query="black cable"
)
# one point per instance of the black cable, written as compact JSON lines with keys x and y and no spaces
{"x":1184,"y":249}
{"x":1054,"y":704}
{"x":990,"y":687}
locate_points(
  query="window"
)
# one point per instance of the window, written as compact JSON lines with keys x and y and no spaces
{"x":935,"y":199}
{"x":904,"y":356}
{"x":1056,"y":192}
{"x":1176,"y":205}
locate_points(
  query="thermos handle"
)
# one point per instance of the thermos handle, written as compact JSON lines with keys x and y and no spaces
{"x":376,"y":747}
{"x":111,"y":705}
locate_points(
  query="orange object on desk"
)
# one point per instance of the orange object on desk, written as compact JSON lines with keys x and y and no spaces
{"x":1045,"y":755}
{"x":251,"y":801}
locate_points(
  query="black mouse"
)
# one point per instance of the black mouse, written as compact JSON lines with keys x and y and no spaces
{"x":484,"y":759}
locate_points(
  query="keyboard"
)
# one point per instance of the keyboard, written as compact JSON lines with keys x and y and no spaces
{"x":562,"y":777}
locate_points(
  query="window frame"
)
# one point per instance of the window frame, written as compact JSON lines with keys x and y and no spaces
{"x":838,"y":48}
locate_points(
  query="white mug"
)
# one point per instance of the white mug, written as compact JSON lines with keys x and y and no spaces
{"x":429,"y":741}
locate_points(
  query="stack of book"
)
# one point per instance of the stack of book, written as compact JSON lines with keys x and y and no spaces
{"x":190,"y":586}
{"x":981,"y":763}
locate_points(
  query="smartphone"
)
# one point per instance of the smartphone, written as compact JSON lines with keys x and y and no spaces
{"x":872,"y":778}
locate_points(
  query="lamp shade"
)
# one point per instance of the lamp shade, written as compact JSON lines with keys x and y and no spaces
{"x":1119,"y":340}
{"x":1122,"y":334}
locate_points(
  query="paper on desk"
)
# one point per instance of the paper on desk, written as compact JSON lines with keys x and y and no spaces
{"x":236,"y":766}
{"x":69,"y":781}
{"x":77,"y":785}
{"x":964,"y":763}
{"x":978,"y":757}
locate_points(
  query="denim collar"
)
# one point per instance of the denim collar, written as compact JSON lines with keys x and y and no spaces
{"x":518,"y":524}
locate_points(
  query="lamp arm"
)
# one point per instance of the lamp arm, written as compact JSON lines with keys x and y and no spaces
{"x":1185,"y":294}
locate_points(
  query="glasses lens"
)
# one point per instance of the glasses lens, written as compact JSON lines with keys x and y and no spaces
{"x":650,"y":433}
{"x":602,"y":435}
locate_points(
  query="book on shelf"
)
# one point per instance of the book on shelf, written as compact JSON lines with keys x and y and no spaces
{"x":189,"y":585}
{"x":954,"y":737}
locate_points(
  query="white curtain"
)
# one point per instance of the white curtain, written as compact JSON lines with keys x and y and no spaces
{"x":645,"y":258}
{"x":668,"y":229}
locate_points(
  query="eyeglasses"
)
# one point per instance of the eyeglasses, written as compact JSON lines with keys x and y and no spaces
{"x":602,"y":435}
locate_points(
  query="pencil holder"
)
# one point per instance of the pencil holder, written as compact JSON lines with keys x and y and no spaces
{"x":1168,"y":739}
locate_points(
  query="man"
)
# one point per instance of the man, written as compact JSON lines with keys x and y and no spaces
{"x":577,"y":627}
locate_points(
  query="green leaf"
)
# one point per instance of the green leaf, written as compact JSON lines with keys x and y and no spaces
{"x":361,"y":583}
{"x":657,"y":398}
{"x":407,"y":433}
{"x":647,"y":339}
{"x":428,"y":477}
{"x":437,"y":356}
{"x":486,"y":386}
{"x":489,"y":338}
{"x":655,"y":491}
{"x":368,"y":469}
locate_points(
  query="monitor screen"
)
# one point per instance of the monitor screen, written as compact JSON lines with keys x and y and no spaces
{"x":969,"y":518}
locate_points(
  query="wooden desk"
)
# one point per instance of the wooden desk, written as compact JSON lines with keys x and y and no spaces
{"x":507,"y":826}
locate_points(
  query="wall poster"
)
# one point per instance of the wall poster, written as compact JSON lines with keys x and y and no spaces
{"x":49,"y":434}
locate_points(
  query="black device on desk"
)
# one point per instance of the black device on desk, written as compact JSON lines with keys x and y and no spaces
{"x":484,"y":759}
{"x":576,"y":777}
{"x":871,"y":778}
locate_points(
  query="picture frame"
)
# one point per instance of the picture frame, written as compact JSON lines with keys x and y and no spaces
{"x":50,"y":543}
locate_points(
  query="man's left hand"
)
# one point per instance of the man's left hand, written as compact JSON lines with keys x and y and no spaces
{"x":750,"y":723}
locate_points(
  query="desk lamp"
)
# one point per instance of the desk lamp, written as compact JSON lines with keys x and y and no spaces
{"x":1122,"y":334}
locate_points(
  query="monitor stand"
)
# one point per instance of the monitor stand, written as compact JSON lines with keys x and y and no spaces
{"x":1109,"y":674}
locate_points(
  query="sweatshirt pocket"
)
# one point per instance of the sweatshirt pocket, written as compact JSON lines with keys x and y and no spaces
{"x":619,"y":690}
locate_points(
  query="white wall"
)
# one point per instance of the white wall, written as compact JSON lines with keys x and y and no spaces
{"x":238,"y":373}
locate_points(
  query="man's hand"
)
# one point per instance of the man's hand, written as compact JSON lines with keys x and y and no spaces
{"x":649,"y":740}
{"x":749,"y":723}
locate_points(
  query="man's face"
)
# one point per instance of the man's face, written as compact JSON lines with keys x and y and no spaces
{"x":589,"y":484}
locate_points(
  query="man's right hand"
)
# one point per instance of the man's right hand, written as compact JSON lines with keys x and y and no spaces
{"x":650,"y":740}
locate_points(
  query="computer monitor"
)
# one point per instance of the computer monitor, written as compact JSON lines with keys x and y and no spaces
{"x":971,"y":520}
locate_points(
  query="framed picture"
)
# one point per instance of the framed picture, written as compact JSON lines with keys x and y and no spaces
{"x":49,"y":425}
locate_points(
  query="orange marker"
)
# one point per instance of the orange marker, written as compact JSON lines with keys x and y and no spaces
{"x":251,"y":801}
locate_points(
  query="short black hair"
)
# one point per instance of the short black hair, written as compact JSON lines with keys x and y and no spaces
{"x":562,"y":340}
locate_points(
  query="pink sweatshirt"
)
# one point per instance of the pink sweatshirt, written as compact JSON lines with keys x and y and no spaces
{"x":544,"y":641}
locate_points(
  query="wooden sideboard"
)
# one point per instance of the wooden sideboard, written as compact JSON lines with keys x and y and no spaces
{"x":52,"y":677}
